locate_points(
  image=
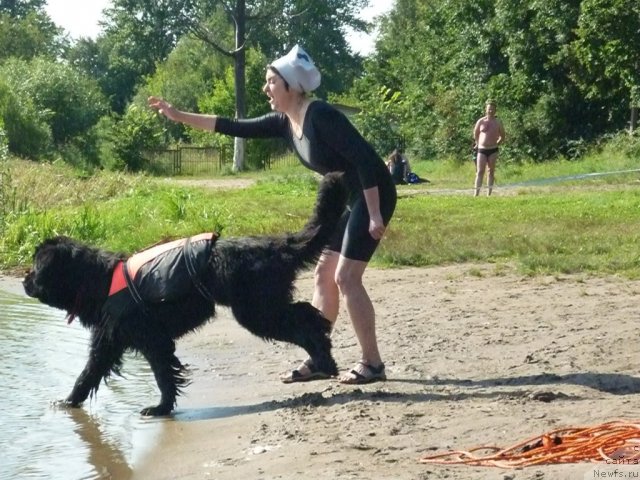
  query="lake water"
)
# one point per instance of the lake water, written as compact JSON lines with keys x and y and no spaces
{"x":41,"y":358}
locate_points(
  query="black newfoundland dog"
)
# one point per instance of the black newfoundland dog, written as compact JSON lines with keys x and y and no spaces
{"x":144,"y":302}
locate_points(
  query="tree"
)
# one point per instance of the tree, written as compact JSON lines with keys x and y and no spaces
{"x":137,"y":131}
{"x":431,"y":56}
{"x":19,"y":9}
{"x":27,"y":31}
{"x":231,"y":27}
{"x":185,"y":77}
{"x":72,"y":102}
{"x":320,"y":28}
{"x":88,"y":56}
{"x":607,"y":54}
{"x":320,"y":24}
{"x":545,"y":108}
{"x":66,"y":101}
{"x":444,"y":58}
{"x":27,"y":132}
{"x":137,"y":36}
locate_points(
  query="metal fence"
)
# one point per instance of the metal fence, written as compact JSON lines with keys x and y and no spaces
{"x":187,"y":161}
{"x":195,"y":161}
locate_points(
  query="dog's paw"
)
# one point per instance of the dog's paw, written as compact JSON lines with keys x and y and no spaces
{"x":157,"y":411}
{"x":66,"y":403}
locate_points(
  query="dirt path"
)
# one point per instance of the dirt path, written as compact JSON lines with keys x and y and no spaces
{"x":213,"y":183}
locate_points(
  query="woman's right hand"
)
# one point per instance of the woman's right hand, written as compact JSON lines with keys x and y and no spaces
{"x":163,"y":107}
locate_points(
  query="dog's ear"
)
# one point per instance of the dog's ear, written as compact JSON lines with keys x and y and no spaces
{"x":47,"y":256}
{"x":51,"y":242}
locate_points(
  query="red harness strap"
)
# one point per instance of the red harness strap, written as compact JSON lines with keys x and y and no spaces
{"x":117,"y":281}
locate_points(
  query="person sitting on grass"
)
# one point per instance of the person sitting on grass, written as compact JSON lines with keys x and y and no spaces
{"x":398,"y":167}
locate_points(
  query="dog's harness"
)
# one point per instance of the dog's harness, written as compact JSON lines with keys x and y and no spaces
{"x":161,"y":273}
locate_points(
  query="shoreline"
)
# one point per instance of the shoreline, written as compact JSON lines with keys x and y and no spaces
{"x":11,"y":284}
{"x":470,"y":354}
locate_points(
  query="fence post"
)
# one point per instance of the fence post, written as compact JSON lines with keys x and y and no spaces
{"x":177,"y":161}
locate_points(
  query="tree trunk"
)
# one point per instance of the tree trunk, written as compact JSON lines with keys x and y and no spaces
{"x":633,"y":121}
{"x":239,"y":81}
{"x":238,"y":153}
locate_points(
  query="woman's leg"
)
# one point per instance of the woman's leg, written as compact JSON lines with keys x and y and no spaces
{"x":349,"y":279}
{"x":491,"y":175}
{"x":326,"y":296}
{"x":481,"y":165}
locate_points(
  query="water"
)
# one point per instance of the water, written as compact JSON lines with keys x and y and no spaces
{"x":41,"y":358}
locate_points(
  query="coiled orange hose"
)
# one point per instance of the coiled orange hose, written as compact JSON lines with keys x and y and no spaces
{"x":613,"y":442}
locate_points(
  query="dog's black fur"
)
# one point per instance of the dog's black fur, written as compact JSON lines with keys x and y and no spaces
{"x":253,"y":275}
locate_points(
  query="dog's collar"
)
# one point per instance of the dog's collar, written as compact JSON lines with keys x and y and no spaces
{"x":73,"y":313}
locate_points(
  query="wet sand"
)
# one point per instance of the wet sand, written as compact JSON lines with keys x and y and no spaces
{"x":474,"y":357}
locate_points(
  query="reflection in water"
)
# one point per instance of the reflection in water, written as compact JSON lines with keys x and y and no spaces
{"x":41,"y":357}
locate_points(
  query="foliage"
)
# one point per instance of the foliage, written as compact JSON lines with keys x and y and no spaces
{"x":563,"y":73}
{"x":231,"y":29}
{"x":319,"y":27}
{"x":606,"y":52}
{"x":6,"y":187}
{"x":622,"y":144}
{"x":4,"y":145}
{"x":21,"y":8}
{"x":26,"y":31}
{"x":380,"y":120}
{"x":221,"y":100}
{"x":26,"y":127}
{"x":131,"y":135}
{"x":569,"y":226}
{"x":137,"y":36}
{"x":185,"y":78}
{"x":68,"y":102}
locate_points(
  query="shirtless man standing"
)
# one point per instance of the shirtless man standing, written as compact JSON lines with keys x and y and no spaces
{"x":488,"y":134}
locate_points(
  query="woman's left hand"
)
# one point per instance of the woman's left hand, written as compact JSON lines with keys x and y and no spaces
{"x":376,"y":227}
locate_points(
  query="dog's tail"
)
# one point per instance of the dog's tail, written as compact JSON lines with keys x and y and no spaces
{"x":330,"y":205}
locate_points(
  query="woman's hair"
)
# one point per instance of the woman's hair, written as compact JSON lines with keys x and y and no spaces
{"x":286,"y":84}
{"x":275,"y":70}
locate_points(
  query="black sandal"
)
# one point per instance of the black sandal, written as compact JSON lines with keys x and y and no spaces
{"x":297,"y":376}
{"x":371,"y":374}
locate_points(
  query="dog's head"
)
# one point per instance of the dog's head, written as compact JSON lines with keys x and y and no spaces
{"x":54,"y":278}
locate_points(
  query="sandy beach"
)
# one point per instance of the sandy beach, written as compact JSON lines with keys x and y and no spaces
{"x":474,"y":355}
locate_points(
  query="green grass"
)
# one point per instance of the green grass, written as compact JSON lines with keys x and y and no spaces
{"x":558,"y":232}
{"x":453,"y":174}
{"x":570,"y":226}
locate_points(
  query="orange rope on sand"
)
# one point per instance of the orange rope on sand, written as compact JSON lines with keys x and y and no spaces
{"x":615,"y":442}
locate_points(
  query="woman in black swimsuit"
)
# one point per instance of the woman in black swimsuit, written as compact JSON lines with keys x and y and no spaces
{"x":325,"y":141}
{"x":488,"y":134}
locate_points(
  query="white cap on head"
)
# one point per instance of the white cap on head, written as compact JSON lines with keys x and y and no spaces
{"x":297,"y":68}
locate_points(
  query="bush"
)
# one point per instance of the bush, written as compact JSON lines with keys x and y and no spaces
{"x":128,"y":137}
{"x":47,"y":104}
{"x":4,"y":145}
{"x":625,"y":143}
{"x":26,"y":129}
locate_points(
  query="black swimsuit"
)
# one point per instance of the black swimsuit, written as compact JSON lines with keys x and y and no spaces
{"x":487,"y":151}
{"x":331,"y":143}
